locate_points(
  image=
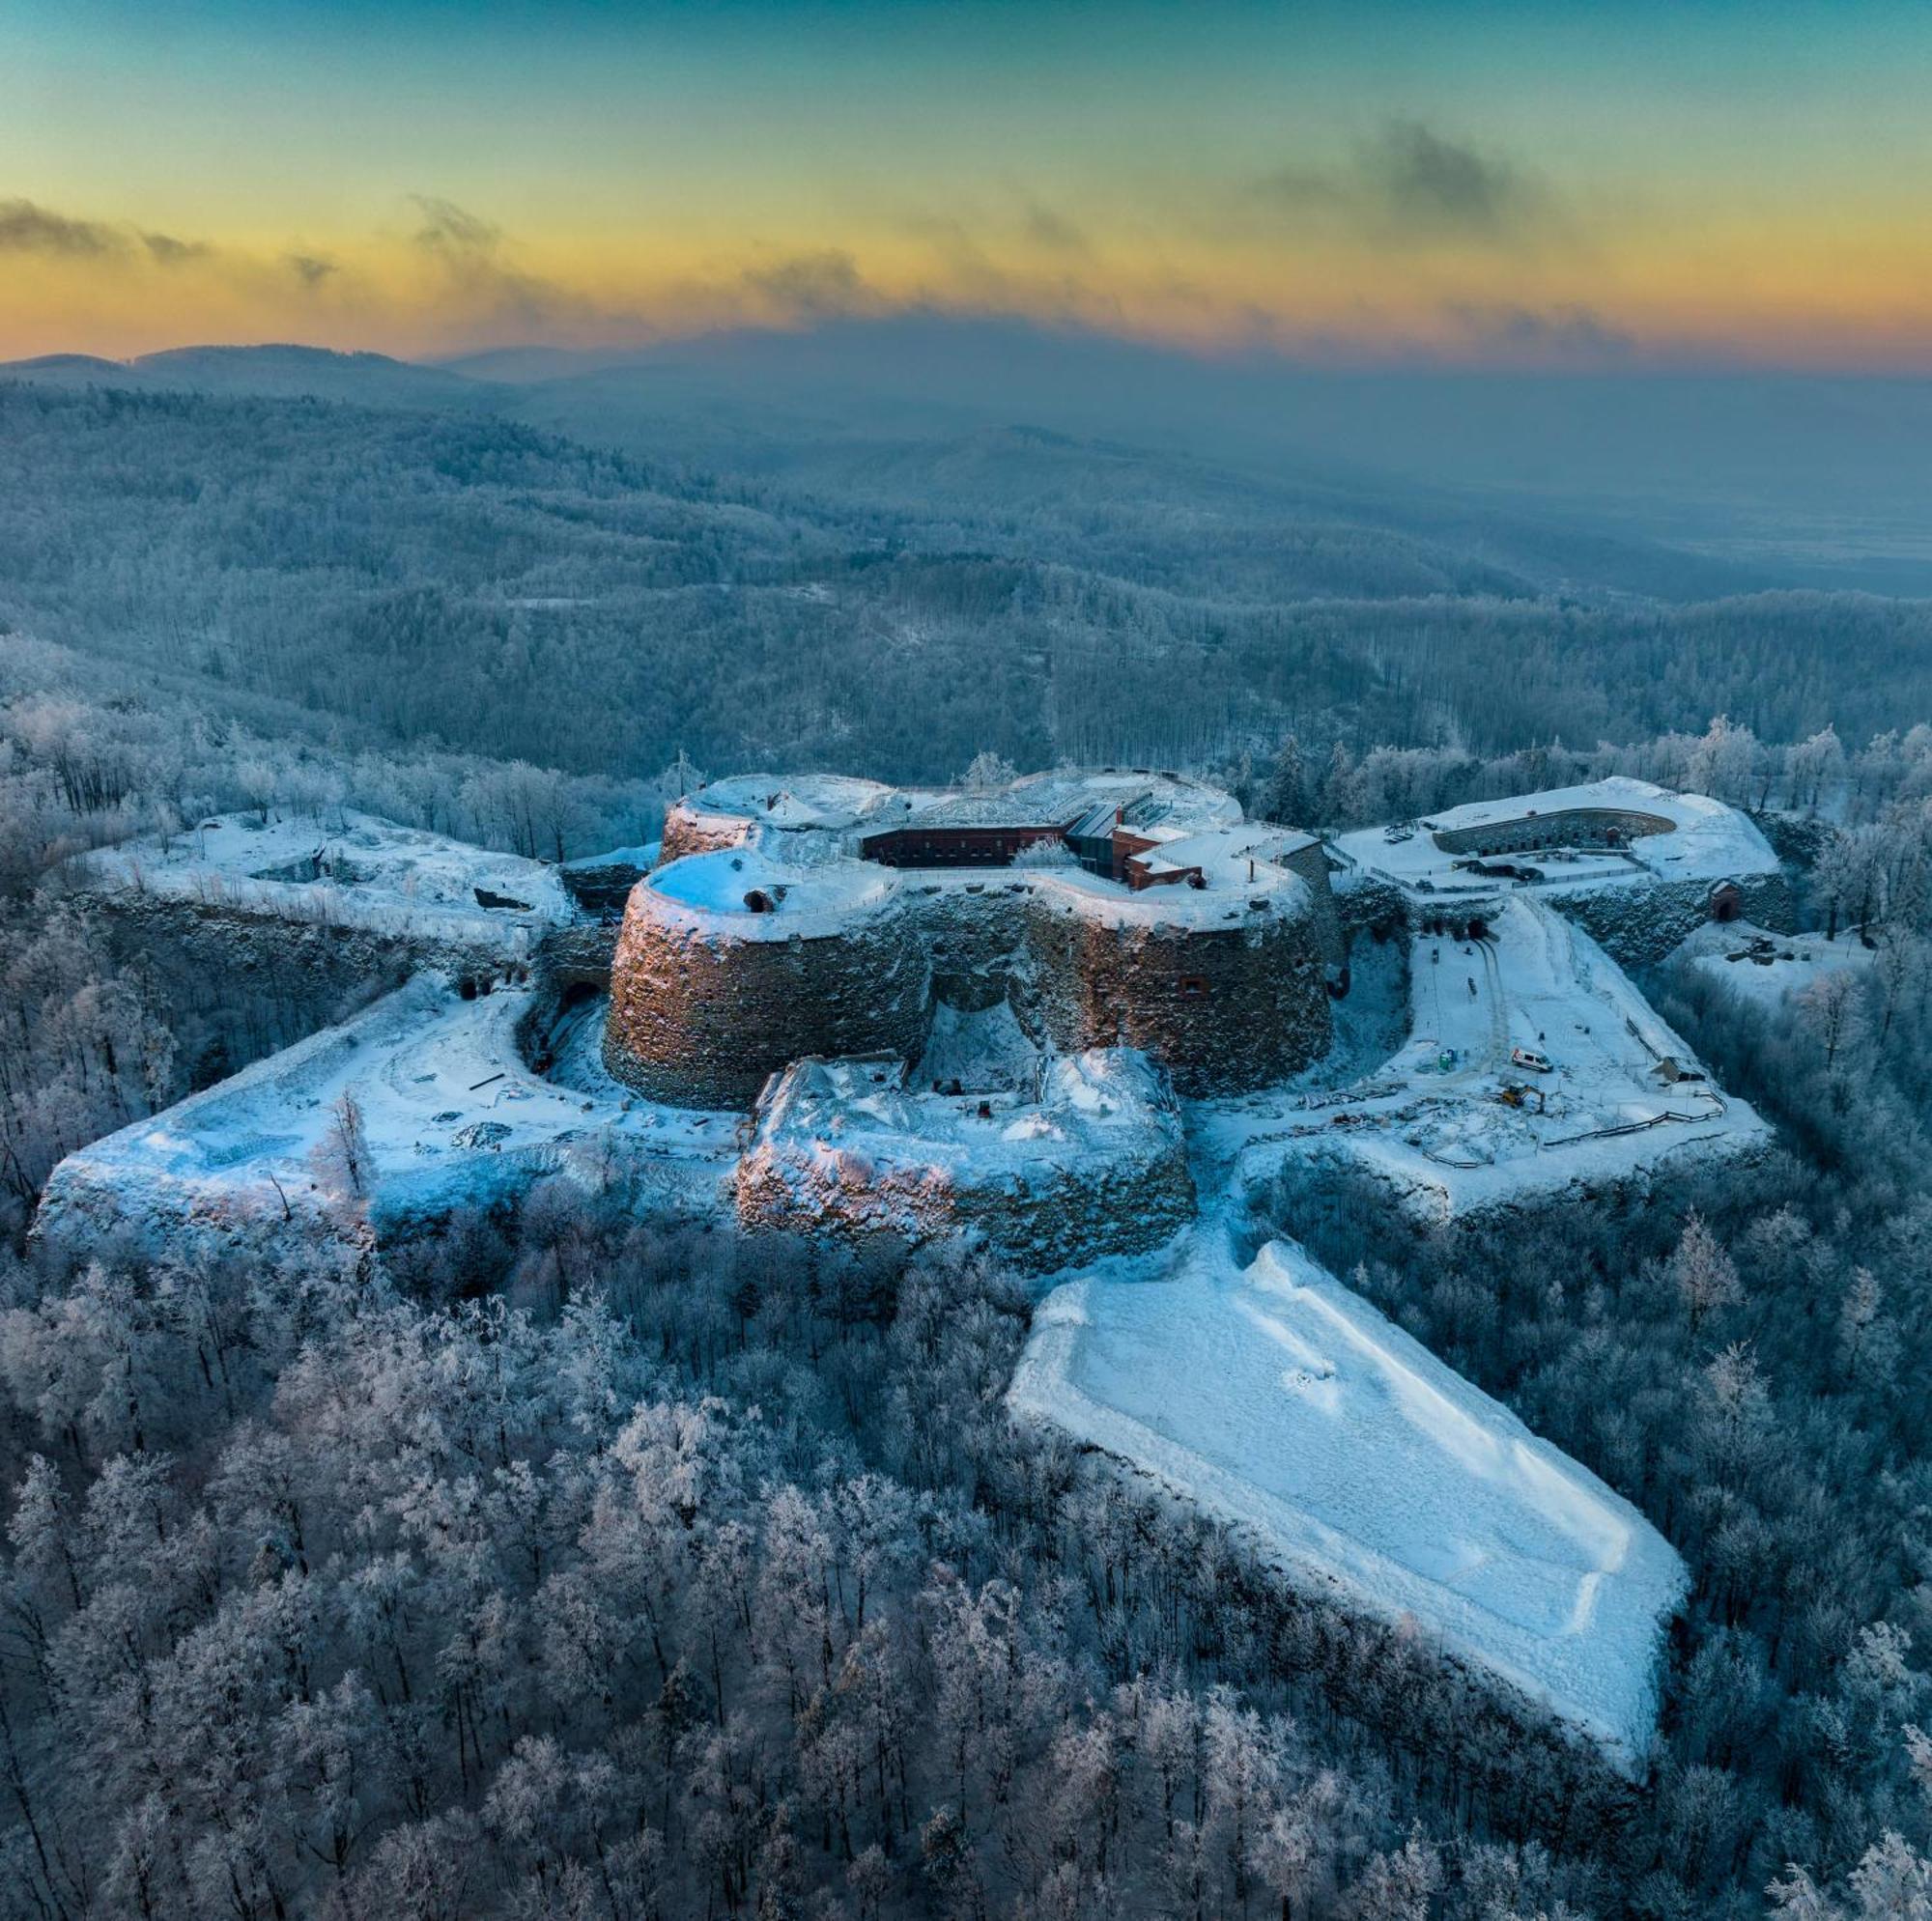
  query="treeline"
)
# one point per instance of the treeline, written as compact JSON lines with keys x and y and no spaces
{"x":574,"y":1566}
{"x":96,"y":1032}
{"x":459,"y":578}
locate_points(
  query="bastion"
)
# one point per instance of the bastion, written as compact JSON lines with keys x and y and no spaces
{"x":1089,"y":1161}
{"x":747,"y":806}
{"x":731,"y":965}
{"x":1226,"y":998}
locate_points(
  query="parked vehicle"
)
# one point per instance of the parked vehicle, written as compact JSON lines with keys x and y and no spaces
{"x":1530,"y":1060}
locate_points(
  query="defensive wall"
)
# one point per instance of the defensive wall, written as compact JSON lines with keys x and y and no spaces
{"x":1099,"y":1167}
{"x":712,"y":993}
{"x":724,"y":972}
{"x":1224,"y":1008}
{"x":1562,"y":826}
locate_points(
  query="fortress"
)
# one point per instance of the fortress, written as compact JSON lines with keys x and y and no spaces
{"x":854,"y":1013}
{"x":830,"y":916}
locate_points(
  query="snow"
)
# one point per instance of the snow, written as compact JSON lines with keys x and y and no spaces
{"x":1230,"y":895}
{"x":1442,"y":1138}
{"x":1768,"y":971}
{"x":829,"y":801}
{"x":643,"y":857}
{"x":1283,"y":1404}
{"x":712,"y":892}
{"x":346,"y":869}
{"x":1078,"y":1106}
{"x":451,"y":1116}
{"x":983,"y":1051}
{"x":1708,"y":840}
{"x":1063,"y":795}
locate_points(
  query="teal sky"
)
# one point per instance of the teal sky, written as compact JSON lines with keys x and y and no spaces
{"x":1717,"y":178}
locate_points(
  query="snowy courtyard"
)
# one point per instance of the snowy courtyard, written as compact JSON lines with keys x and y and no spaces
{"x":1461,"y":1117}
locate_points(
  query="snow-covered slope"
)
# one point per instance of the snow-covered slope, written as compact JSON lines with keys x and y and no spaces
{"x":347,"y":870}
{"x":1431,"y":1121}
{"x":1281,"y":1403}
{"x":1704,"y":841}
{"x":444,"y":1114}
{"x":1769,"y":970}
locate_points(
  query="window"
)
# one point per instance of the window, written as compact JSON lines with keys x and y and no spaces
{"x":1192,"y":987}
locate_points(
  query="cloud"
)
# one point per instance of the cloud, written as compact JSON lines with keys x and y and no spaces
{"x":1411,"y":182}
{"x":1442,"y":186}
{"x":310,"y":268}
{"x":1048,"y":228}
{"x":448,"y":228}
{"x":1569,"y":334}
{"x":168,"y":251}
{"x":25,"y":228}
{"x":471,"y":251}
{"x":815,"y":287}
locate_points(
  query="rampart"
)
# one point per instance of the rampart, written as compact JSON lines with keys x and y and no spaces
{"x":1222,"y":1009}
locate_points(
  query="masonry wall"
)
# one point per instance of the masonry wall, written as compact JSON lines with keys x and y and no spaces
{"x":1637,"y":926}
{"x":1312,"y":865}
{"x":687,"y":830}
{"x":1223,"y":1009}
{"x":1121,"y":1202}
{"x":974,"y":935}
{"x":1569,"y":827}
{"x":700,"y":1019}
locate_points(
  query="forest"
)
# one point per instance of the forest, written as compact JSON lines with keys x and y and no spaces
{"x":571,"y":1564}
{"x":456,"y":575}
{"x":577,"y":1567}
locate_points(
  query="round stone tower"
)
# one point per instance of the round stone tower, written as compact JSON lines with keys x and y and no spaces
{"x":731,"y":965}
{"x":1227,"y":998}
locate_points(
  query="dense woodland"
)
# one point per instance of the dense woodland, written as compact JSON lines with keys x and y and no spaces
{"x":459,"y":576}
{"x":575,"y":1566}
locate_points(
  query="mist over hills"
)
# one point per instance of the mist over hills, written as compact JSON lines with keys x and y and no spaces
{"x":890,"y":544}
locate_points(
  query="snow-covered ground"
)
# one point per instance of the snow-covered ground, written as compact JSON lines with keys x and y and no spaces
{"x":1281,"y":1402}
{"x":346,"y":869}
{"x":1769,"y":970}
{"x":1430,"y":1120}
{"x":1707,"y":841}
{"x":446,"y":1114}
{"x":983,"y":1053}
{"x":1079,"y":1107}
{"x":787,"y":803}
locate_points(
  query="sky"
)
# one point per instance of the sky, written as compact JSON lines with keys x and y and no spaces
{"x":1497,"y":183}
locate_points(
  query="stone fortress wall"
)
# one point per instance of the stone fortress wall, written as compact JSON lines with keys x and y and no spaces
{"x":1220,"y":980}
{"x":842,"y":1147}
{"x":1640,"y":926}
{"x":1224,"y":1009}
{"x":699,"y":1020}
{"x":1563,"y":826}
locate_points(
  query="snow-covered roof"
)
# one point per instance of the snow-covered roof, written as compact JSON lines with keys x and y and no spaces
{"x":1232,"y":893}
{"x":750,"y":894}
{"x":1281,"y":1403}
{"x":1086,"y":797}
{"x":790,"y":800}
{"x":1706,"y":839}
